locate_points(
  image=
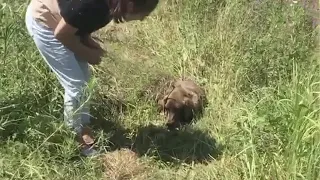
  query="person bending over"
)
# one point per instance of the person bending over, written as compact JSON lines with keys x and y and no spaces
{"x":61,"y":31}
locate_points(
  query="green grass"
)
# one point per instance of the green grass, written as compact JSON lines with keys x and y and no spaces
{"x":258,"y":62}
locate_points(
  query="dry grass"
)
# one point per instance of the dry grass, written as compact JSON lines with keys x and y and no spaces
{"x":124,"y":164}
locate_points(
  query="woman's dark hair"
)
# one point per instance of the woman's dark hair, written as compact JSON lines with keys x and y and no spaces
{"x":118,"y":8}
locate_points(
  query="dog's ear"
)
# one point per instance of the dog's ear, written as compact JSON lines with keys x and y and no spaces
{"x":188,"y":108}
{"x":187,"y":114}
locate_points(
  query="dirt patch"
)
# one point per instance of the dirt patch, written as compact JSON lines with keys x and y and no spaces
{"x":124,"y":164}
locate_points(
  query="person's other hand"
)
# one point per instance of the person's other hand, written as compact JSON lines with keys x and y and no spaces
{"x":95,"y":56}
{"x":91,"y":42}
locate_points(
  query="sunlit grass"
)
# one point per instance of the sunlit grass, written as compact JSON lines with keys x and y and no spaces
{"x":257,"y":60}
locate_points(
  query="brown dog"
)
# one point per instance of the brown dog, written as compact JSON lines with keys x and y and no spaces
{"x":181,"y":103}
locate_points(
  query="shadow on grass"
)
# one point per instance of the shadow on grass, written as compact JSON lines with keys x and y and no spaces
{"x":187,"y":145}
{"x":171,"y":147}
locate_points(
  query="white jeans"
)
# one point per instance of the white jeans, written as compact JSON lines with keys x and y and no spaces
{"x":72,"y":72}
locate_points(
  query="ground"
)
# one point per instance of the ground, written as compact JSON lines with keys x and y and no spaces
{"x":257,"y":60}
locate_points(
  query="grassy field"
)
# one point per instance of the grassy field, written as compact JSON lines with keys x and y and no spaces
{"x":257,"y":60}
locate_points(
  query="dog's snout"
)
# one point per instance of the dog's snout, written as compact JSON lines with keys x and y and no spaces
{"x":173,"y":118}
{"x":172,"y":125}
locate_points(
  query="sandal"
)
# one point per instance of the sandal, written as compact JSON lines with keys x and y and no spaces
{"x":87,"y":141}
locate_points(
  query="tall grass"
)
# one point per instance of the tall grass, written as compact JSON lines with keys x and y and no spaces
{"x":257,"y":60}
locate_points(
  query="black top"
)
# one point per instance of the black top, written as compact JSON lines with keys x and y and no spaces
{"x":85,"y":15}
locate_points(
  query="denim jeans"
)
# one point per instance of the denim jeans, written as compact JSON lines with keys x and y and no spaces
{"x":72,"y":72}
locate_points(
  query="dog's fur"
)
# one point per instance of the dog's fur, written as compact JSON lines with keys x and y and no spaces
{"x":181,"y":103}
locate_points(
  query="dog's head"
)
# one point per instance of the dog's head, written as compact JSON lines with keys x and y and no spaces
{"x":177,"y":107}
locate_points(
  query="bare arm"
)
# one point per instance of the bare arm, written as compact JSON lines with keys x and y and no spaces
{"x":66,"y":34}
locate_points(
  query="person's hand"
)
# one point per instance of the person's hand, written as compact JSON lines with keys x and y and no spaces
{"x":66,"y":34}
{"x":94,"y":56}
{"x":90,"y":42}
{"x":95,"y":50}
